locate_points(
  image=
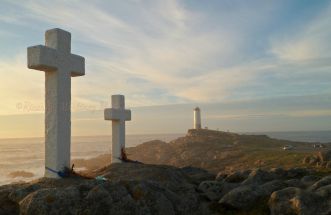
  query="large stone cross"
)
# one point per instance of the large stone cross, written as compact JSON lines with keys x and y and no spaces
{"x":118,"y":115}
{"x":59,"y":65}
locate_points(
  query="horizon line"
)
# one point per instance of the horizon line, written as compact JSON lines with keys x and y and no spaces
{"x":175,"y":133}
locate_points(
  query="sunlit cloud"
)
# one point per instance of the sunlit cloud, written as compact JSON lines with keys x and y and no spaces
{"x":170,"y":52}
{"x":309,"y":43}
{"x":160,"y":44}
{"x":305,"y":113}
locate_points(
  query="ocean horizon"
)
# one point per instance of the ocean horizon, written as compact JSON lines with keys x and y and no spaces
{"x":27,"y":154}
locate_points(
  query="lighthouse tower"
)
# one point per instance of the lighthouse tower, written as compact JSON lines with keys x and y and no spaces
{"x":197,"y":118}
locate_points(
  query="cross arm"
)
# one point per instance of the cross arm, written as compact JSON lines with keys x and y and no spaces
{"x":42,"y":58}
{"x":116,"y":114}
{"x":77,"y":65}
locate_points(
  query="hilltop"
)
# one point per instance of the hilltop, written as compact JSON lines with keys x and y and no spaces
{"x":215,"y":151}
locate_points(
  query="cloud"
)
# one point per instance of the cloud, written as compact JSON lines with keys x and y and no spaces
{"x":163,"y":50}
{"x":19,"y":85}
{"x":310,"y":43}
{"x":166,"y":52}
{"x":299,"y":114}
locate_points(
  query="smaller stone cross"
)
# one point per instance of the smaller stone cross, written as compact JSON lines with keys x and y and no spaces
{"x":118,"y":115}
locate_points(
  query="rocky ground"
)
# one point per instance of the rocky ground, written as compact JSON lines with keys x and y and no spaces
{"x":132,"y":188}
{"x":277,"y":191}
{"x":129,"y":189}
{"x":207,"y":172}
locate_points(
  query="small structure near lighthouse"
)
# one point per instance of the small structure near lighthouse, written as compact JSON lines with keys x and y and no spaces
{"x":197,"y":118}
{"x":59,"y":65}
{"x":118,"y":115}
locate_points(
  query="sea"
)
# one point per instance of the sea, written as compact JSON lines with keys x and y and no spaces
{"x":27,"y":154}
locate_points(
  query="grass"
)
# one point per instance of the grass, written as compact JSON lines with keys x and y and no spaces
{"x":275,"y":158}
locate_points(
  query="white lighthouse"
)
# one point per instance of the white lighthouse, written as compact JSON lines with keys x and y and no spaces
{"x":197,"y":118}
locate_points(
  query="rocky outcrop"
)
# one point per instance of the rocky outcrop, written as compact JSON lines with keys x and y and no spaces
{"x":277,"y":191}
{"x":293,"y":200}
{"x":129,"y":189}
{"x":215,"y":190}
{"x":321,"y":159}
{"x":242,"y":197}
{"x":132,"y":188}
{"x":324,"y":156}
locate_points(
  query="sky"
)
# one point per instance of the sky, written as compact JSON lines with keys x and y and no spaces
{"x":250,"y":65}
